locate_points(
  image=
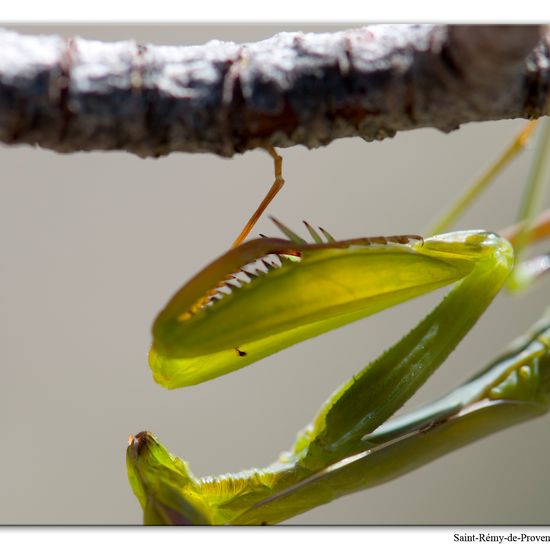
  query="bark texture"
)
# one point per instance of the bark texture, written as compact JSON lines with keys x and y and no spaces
{"x":294,"y":88}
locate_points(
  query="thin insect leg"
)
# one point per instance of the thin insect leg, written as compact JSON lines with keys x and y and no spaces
{"x":539,"y":230}
{"x":530,"y":270}
{"x":445,"y":222}
{"x":527,"y":271}
{"x":275,"y":188}
{"x":532,"y":196}
{"x":528,"y":229}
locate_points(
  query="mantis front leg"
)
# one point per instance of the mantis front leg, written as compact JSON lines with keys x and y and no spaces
{"x":304,"y":290}
{"x":169,"y":492}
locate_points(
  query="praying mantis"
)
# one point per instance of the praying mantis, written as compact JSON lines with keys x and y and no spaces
{"x":217,"y":323}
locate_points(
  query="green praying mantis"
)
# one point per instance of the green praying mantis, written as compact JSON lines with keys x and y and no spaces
{"x":266,"y":294}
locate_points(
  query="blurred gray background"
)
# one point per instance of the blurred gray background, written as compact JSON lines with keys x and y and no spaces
{"x":94,"y":244}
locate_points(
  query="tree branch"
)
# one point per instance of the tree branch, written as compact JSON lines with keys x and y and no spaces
{"x":294,"y":88}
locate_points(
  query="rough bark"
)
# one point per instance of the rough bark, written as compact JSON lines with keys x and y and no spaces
{"x":294,"y":88}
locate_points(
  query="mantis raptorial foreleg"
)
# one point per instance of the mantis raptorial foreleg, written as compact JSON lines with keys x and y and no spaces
{"x":231,"y":315}
{"x":359,"y":407}
{"x":332,"y":284}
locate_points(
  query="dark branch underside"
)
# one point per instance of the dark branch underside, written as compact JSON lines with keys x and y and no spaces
{"x":294,"y":88}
